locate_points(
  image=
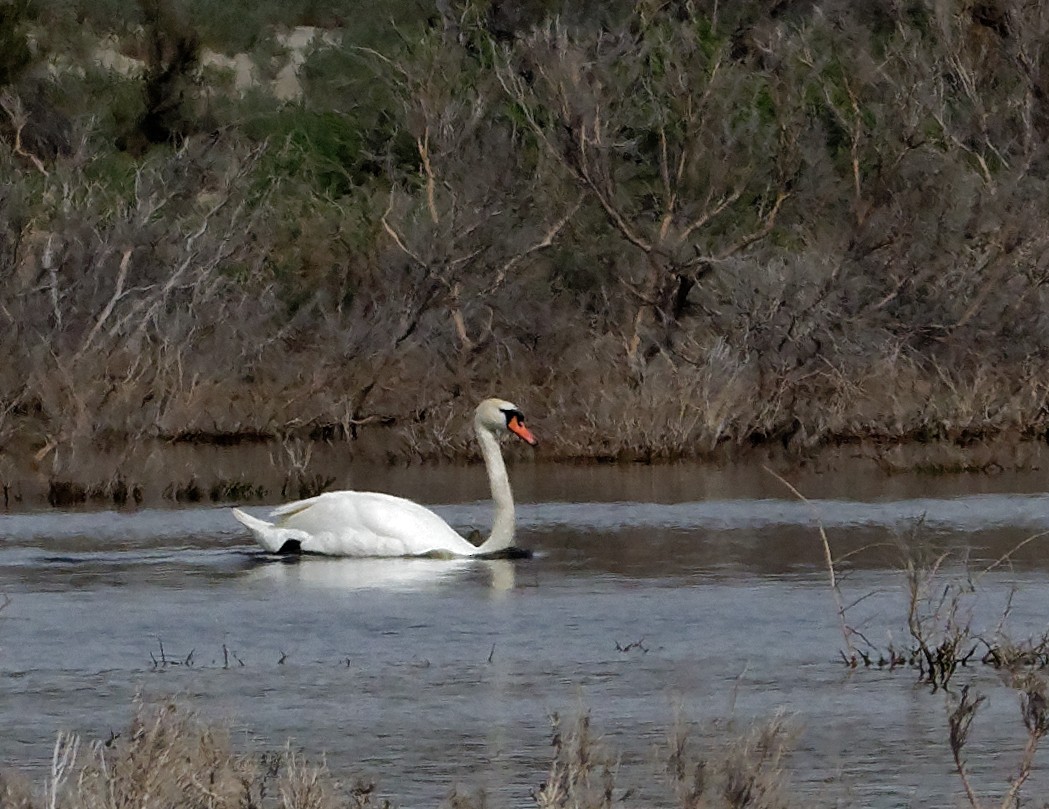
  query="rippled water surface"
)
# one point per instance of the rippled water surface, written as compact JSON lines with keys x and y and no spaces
{"x":655,"y":592}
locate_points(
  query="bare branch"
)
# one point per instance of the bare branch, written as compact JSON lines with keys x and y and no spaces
{"x":544,"y":242}
{"x":118,"y":292}
{"x":960,"y":720}
{"x":12,"y":105}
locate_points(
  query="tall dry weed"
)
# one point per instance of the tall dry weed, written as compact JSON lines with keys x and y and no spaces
{"x":16,"y":792}
{"x":168,"y":758}
{"x":582,"y":772}
{"x":734,"y":770}
{"x":747,"y":771}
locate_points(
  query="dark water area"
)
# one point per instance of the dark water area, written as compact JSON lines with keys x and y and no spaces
{"x":655,"y":593}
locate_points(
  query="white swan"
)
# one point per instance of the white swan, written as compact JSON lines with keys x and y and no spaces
{"x":373,"y":524}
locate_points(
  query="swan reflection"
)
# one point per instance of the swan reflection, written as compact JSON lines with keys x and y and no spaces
{"x":385,"y":574}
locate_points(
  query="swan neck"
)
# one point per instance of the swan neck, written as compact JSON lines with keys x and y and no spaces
{"x":502,"y":535}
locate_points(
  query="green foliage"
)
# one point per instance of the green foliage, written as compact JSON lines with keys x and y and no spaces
{"x":82,"y":96}
{"x":172,"y":57}
{"x":321,"y":148}
{"x":328,"y":150}
{"x":100,"y":15}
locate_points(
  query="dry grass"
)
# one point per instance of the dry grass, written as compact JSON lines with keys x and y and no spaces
{"x":1034,"y":712}
{"x":168,"y":758}
{"x":939,"y":616}
{"x":943,"y":639}
{"x":737,"y":770}
{"x":747,"y":771}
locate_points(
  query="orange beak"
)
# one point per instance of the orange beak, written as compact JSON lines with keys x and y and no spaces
{"x":517,"y":428}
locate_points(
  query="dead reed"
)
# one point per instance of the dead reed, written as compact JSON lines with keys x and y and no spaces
{"x":938,"y":616}
{"x":736,"y":770}
{"x":1034,"y":712}
{"x":117,"y":491}
{"x":747,"y":771}
{"x":944,"y":638}
{"x":168,"y":758}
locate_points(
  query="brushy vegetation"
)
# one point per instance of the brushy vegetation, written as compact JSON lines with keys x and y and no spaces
{"x":674,"y":229}
{"x":169,"y":758}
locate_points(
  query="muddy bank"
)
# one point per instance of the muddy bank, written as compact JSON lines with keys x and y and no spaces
{"x":258,"y":469}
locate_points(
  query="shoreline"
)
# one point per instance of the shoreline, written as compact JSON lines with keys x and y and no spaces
{"x":158,"y":473}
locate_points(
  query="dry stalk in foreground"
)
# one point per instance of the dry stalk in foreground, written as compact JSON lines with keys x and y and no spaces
{"x":168,"y":759}
{"x":847,"y":632}
{"x":937,"y":620}
{"x":1034,"y":710}
{"x":748,"y":771}
{"x":940,"y":619}
{"x":582,"y":773}
{"x":744,"y":770}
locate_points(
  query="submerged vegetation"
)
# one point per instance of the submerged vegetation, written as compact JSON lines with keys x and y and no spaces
{"x":676,"y":229}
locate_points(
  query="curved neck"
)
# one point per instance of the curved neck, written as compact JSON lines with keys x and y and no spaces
{"x":502,"y":535}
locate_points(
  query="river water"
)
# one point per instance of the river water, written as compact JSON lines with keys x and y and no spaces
{"x":656,"y":594}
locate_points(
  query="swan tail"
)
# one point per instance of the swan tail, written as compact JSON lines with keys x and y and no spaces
{"x":270,"y":537}
{"x":288,"y":510}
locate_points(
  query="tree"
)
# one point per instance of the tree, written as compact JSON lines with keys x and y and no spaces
{"x":687,"y":152}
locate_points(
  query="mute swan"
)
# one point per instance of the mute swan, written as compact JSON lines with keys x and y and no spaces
{"x":373,"y":524}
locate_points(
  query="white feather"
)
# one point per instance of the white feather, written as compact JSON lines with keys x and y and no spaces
{"x":349,"y":523}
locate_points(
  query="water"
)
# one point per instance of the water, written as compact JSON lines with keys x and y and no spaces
{"x":656,"y":593}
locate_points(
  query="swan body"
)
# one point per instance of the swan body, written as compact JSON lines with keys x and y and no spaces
{"x":350,"y":523}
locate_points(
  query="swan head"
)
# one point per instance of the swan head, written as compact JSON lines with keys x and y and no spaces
{"x":498,"y":416}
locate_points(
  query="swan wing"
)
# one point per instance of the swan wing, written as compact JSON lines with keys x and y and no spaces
{"x":369,"y":524}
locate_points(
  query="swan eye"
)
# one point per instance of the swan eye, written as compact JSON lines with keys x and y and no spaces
{"x":515,"y":424}
{"x":511,"y":415}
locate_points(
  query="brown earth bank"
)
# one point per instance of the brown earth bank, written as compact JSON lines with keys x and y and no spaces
{"x":259,"y":469}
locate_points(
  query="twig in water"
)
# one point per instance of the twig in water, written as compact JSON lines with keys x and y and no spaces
{"x":1005,"y":557}
{"x":960,"y":720}
{"x":163,"y":662}
{"x":227,"y":653}
{"x":1035,"y":712}
{"x":846,"y":631}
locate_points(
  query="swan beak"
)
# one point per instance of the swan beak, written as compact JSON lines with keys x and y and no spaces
{"x":517,"y":428}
